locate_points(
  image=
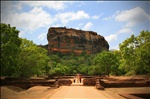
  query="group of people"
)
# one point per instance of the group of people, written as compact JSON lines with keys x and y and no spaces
{"x":77,"y":78}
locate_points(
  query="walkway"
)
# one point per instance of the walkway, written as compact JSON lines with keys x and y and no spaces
{"x":78,"y":92}
{"x":77,"y":84}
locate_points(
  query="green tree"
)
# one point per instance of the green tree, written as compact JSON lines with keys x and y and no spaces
{"x":10,"y":43}
{"x":32,"y":59}
{"x":115,"y":68}
{"x":135,"y":54}
{"x":82,"y":68}
{"x":143,"y":60}
{"x":106,"y":60}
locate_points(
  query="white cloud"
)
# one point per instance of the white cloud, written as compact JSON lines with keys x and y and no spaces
{"x":32,"y":20}
{"x":37,"y":17}
{"x":125,"y":30}
{"x":42,"y":36}
{"x":115,"y":47}
{"x":56,"y":25}
{"x":69,"y":16}
{"x":87,"y":26}
{"x":110,"y":17}
{"x":80,"y":24}
{"x":21,"y":33}
{"x":111,"y":37}
{"x":132,"y":17}
{"x":57,"y":5}
{"x":18,"y":5}
{"x":8,"y":7}
{"x":95,"y":17}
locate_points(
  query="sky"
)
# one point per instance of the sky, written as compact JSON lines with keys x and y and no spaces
{"x":115,"y":20}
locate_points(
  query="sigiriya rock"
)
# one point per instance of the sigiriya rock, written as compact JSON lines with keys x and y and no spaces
{"x":64,"y":40}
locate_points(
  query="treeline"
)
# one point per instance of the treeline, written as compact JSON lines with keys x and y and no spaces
{"x":22,"y":58}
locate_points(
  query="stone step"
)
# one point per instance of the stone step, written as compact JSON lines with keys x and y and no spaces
{"x":77,"y":84}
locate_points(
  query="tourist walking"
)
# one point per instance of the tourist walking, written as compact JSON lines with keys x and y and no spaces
{"x":74,"y":79}
{"x":77,"y":77}
{"x":80,"y":78}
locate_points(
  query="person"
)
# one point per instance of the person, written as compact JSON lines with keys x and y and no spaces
{"x":77,"y":78}
{"x":80,"y":78}
{"x":74,"y":79}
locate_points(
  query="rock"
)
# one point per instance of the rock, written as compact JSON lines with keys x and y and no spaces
{"x":89,"y":82}
{"x":98,"y":85}
{"x":64,"y":82}
{"x":56,"y":84}
{"x":64,"y":40}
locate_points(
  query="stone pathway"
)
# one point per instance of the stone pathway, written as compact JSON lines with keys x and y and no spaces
{"x":77,"y":83}
{"x":78,"y":92}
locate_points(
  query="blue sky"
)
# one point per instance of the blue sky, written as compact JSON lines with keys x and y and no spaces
{"x":115,"y":20}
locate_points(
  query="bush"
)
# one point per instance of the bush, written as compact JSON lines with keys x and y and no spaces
{"x":130,"y":73}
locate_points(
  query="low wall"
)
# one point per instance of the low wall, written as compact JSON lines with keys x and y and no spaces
{"x":122,"y":83}
{"x":64,"y":82}
{"x":26,"y":83}
{"x":89,"y":82}
{"x":114,"y":83}
{"x":106,"y":82}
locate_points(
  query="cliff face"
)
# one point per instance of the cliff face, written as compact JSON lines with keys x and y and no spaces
{"x":62,"y":39}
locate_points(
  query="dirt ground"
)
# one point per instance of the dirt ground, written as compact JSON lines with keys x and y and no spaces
{"x":69,"y":92}
{"x":37,"y":92}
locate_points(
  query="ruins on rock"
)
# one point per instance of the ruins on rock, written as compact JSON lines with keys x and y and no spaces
{"x":64,"y":40}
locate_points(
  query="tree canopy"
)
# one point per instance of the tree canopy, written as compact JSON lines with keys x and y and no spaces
{"x":32,"y":59}
{"x":135,"y":54}
{"x":20,"y":57}
{"x":107,"y":61}
{"x":10,"y":49}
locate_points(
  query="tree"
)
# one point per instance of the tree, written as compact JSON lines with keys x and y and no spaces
{"x":143,"y":52}
{"x":106,"y":60}
{"x":82,"y":68}
{"x":135,"y":54}
{"x":10,"y":43}
{"x":32,"y":59}
{"x":144,"y":58}
{"x":115,"y":69}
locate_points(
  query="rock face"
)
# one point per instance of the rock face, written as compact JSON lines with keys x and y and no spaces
{"x":62,"y":39}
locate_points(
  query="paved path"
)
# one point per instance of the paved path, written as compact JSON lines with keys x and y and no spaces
{"x":78,"y":92}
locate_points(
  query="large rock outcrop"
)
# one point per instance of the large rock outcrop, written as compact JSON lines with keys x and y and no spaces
{"x":62,"y":39}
